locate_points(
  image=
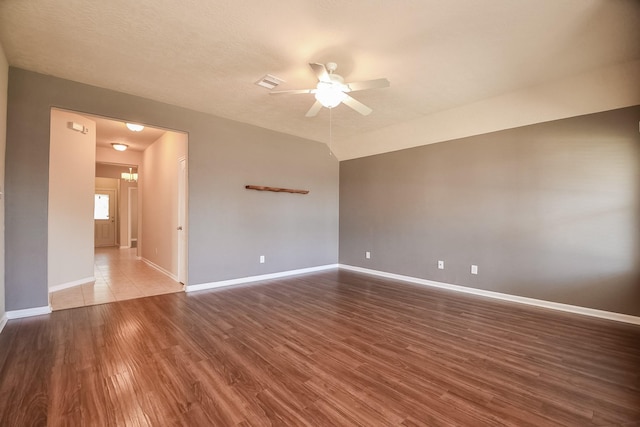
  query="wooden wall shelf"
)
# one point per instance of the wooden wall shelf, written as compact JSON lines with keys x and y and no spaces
{"x":275,"y":189}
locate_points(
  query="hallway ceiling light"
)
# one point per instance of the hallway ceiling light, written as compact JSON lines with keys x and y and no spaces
{"x":118,"y":146}
{"x":134,"y":127}
{"x":129,"y":176}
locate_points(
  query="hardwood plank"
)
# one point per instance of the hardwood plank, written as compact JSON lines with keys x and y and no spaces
{"x":329,"y":348}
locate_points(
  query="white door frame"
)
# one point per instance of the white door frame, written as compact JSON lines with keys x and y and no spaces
{"x":130,"y":190}
{"x":182,"y":220}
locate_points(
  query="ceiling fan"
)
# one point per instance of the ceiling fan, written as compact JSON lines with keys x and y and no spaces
{"x":332,"y":90}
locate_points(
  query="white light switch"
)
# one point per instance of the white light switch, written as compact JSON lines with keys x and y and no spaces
{"x":261,"y":259}
{"x":367,"y":255}
{"x":474,"y":269}
{"x":441,"y":265}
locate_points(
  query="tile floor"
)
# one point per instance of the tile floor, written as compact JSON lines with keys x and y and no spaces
{"x":119,"y":276}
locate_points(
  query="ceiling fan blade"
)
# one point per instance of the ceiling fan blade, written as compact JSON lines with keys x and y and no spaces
{"x":368,"y":84}
{"x":315,"y":108}
{"x":277,"y":92}
{"x":320,"y":71}
{"x":357,"y":105}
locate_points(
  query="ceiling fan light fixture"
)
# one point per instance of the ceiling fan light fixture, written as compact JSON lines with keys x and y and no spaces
{"x":134,"y":127}
{"x":331,"y":90}
{"x":119,"y":147}
{"x":329,"y":95}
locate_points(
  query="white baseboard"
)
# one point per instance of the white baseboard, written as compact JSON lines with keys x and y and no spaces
{"x":626,"y":318}
{"x":160,"y":269}
{"x":28,"y":312}
{"x":241,"y":280}
{"x":3,"y":322}
{"x":125,"y":247}
{"x":72,"y":284}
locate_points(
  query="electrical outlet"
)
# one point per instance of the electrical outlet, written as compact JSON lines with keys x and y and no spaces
{"x":441,"y":265}
{"x":367,"y":255}
{"x":474,"y":269}
{"x":261,"y":259}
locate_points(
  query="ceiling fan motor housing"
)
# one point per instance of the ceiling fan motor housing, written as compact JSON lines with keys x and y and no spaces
{"x":331,"y":67}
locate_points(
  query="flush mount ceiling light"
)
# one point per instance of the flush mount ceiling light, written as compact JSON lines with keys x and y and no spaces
{"x":134,"y":127}
{"x":118,"y":146}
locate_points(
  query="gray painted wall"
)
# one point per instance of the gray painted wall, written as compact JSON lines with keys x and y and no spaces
{"x":229,"y":227}
{"x":549,"y":211}
{"x":4,"y":79}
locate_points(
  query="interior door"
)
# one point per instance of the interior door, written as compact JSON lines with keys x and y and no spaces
{"x":104,"y":217}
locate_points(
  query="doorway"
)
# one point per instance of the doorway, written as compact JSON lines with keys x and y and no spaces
{"x":104,"y":217}
{"x":132,"y":217}
{"x":118,"y":232}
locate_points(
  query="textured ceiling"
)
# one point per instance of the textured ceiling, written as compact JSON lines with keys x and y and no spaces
{"x":206,"y":55}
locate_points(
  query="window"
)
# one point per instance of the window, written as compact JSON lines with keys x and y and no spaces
{"x":101,"y":207}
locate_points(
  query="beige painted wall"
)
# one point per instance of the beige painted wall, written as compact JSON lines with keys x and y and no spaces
{"x":105,"y":182}
{"x":158,"y":191}
{"x":109,"y":155}
{"x":71,"y":189}
{"x":4,"y":76}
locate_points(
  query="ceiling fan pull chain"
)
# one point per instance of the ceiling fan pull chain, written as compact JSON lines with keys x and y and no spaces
{"x":330,"y":133}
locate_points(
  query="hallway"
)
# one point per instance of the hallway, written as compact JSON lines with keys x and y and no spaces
{"x":119,"y":276}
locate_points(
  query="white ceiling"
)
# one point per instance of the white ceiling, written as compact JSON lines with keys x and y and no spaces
{"x":207,"y":55}
{"x":110,"y":131}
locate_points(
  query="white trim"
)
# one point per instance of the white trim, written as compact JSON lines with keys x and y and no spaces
{"x":129,"y":197}
{"x":72,"y":284}
{"x":241,"y":280}
{"x":3,"y":322}
{"x":182,"y":214}
{"x":28,"y":312}
{"x":125,"y":247}
{"x":160,"y":269}
{"x":626,"y":318}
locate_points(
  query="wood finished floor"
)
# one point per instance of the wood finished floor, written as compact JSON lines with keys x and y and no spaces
{"x":330,"y":349}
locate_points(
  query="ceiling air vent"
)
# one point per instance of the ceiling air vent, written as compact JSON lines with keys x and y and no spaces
{"x":269,"y":81}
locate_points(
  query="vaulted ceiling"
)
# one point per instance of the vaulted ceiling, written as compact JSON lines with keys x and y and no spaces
{"x":449,"y":62}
